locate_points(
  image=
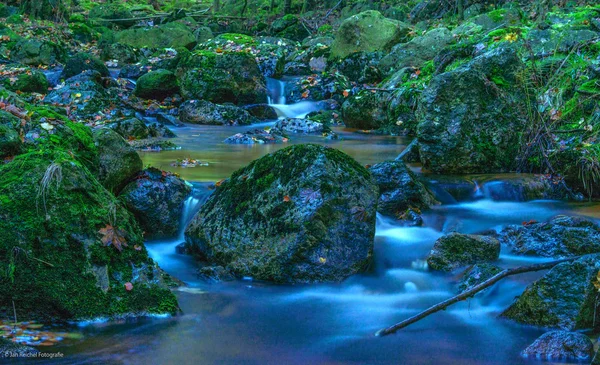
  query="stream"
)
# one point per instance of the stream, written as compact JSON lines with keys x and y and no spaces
{"x":249,"y":322}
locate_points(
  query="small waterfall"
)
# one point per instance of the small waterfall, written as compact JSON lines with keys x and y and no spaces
{"x":276,"y":91}
{"x":191,"y":206}
{"x":277,"y":100}
{"x":478,"y":194}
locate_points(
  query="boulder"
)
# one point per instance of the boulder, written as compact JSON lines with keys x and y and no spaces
{"x":123,"y":53}
{"x":562,"y":236}
{"x":456,"y":249}
{"x":290,"y":27}
{"x":368,"y":31}
{"x":85,"y":91}
{"x":471,"y":118}
{"x":223,"y":78}
{"x":256,"y":136}
{"x":362,"y":67}
{"x":560,"y":345}
{"x":35,"y":52}
{"x":365,"y":110}
{"x":119,"y":162}
{"x":53,"y":208}
{"x":564,"y":298}
{"x":298,"y":125}
{"x":205,"y":112}
{"x":157,"y":84}
{"x":131,"y":128}
{"x":10,"y":143}
{"x":30,"y":82}
{"x":399,"y":189}
{"x":170,"y":35}
{"x":156,"y":199}
{"x":110,"y":12}
{"x":416,"y":52}
{"x":305,"y":213}
{"x":411,"y":153}
{"x":81,"y":62}
{"x":476,"y":275}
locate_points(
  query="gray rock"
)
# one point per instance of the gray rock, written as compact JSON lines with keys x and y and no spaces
{"x":560,"y":345}
{"x":456,"y":249}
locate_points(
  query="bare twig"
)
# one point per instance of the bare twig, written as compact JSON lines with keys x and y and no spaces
{"x":468,"y":293}
{"x":332,"y":9}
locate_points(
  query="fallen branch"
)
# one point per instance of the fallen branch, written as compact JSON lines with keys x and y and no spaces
{"x":466,"y":294}
{"x":332,"y":9}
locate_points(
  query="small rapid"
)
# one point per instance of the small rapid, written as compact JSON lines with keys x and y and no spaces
{"x":276,"y":90}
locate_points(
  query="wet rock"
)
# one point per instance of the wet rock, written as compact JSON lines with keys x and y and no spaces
{"x":83,"y":62}
{"x":9,"y":349}
{"x":119,"y":162}
{"x":157,"y":85}
{"x":456,"y":249}
{"x":416,"y":52}
{"x":35,"y":52}
{"x":564,"y":298}
{"x":256,"y":136}
{"x":368,"y":31}
{"x":362,"y":67}
{"x":205,"y":112}
{"x":298,"y":125}
{"x":470,"y":119}
{"x":113,"y":11}
{"x":170,"y":35}
{"x":560,"y":345}
{"x":133,"y":71}
{"x":399,"y":189}
{"x":63,"y":220}
{"x":223,"y":78}
{"x":215,"y":274}
{"x":305,"y":213}
{"x":156,"y":198}
{"x":10,"y":143}
{"x":262,"y":111}
{"x":131,"y":128}
{"x":366,"y":110}
{"x":153,"y":145}
{"x":84,"y":91}
{"x":168,"y":119}
{"x":562,"y":236}
{"x":290,"y":27}
{"x":123,"y":53}
{"x":30,"y":82}
{"x":476,"y":275}
{"x":411,"y":153}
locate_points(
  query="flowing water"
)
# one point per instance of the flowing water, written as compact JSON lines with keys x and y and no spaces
{"x":248,"y":322}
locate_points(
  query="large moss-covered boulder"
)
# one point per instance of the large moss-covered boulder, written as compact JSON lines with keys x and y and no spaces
{"x":84,"y":94}
{"x":123,"y":53}
{"x":37,"y":52}
{"x":399,"y":189}
{"x":222,"y":78}
{"x":305,"y":213}
{"x":472,"y":118}
{"x":157,"y":84}
{"x":564,"y":298}
{"x":205,"y":112}
{"x":119,"y":162}
{"x":83,"y":62}
{"x":170,"y":35}
{"x":112,"y":15}
{"x":456,"y":249}
{"x":156,"y":199}
{"x":368,"y":31}
{"x":131,"y":128}
{"x":290,"y":27}
{"x":69,"y":248}
{"x":562,"y":236}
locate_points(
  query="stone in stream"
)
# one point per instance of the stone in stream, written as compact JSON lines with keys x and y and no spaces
{"x":565,"y":298}
{"x":131,"y":128}
{"x":365,"y":110}
{"x":471,"y":118}
{"x":53,"y":209}
{"x":411,"y":153}
{"x":169,"y":119}
{"x":456,"y":249}
{"x":476,"y":275}
{"x":298,"y":125}
{"x":303,"y":214}
{"x":157,"y":85}
{"x":205,"y":112}
{"x":156,"y":198}
{"x":85,"y":94}
{"x":84,"y":62}
{"x":368,"y":31}
{"x":399,"y":189}
{"x":257,"y":136}
{"x":562,"y":236}
{"x":560,"y":345}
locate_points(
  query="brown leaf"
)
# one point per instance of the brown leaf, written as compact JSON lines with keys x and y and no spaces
{"x":113,"y":236}
{"x":128,"y":286}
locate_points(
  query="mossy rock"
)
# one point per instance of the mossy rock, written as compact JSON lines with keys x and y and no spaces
{"x":123,"y":53}
{"x":170,"y":35}
{"x":156,"y":199}
{"x":52,"y":210}
{"x":305,"y":213}
{"x":564,"y":298}
{"x":36,"y":52}
{"x":368,"y":31}
{"x":365,"y":110}
{"x":456,"y":249}
{"x":207,"y":113}
{"x":157,"y":84}
{"x":131,"y":128}
{"x":106,"y":13}
{"x":83,"y":62}
{"x":10,"y":142}
{"x":86,"y":91}
{"x":30,"y":82}
{"x":119,"y":162}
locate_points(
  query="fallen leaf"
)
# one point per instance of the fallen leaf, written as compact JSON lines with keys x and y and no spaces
{"x":128,"y":286}
{"x":113,"y":236}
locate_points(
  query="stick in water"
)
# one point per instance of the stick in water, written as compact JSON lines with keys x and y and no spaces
{"x":466,"y":294}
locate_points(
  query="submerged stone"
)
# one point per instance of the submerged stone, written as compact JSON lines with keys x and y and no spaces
{"x":560,"y":345}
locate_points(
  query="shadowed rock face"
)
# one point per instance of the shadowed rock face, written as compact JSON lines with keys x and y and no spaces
{"x":303,"y":214}
{"x":557,"y":345}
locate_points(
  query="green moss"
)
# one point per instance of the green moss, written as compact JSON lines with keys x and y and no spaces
{"x":497,"y":15}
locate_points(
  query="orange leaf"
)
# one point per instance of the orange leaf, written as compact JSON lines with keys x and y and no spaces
{"x":128,"y":286}
{"x":113,"y":236}
{"x":287,"y":199}
{"x":345,"y":93}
